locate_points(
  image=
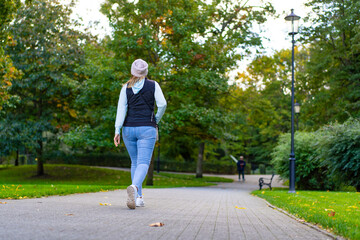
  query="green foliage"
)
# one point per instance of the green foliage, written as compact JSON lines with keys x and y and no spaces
{"x":333,"y":70}
{"x":326,"y":159}
{"x":311,"y":174}
{"x":7,"y":71}
{"x":46,"y":49}
{"x":340,"y":150}
{"x":261,"y":102}
{"x":96,"y":100}
{"x":7,"y":12}
{"x":7,"y":74}
{"x":14,"y":134}
{"x":190,"y":46}
{"x":338,"y":212}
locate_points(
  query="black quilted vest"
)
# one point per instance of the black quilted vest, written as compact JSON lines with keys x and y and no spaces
{"x":141,"y":106}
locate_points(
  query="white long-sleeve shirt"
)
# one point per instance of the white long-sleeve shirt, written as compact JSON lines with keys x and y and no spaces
{"x":123,"y":106}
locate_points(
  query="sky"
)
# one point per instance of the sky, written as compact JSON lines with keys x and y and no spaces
{"x":274,"y":29}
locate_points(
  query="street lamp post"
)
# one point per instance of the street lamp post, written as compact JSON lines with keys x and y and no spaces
{"x":294,"y":23}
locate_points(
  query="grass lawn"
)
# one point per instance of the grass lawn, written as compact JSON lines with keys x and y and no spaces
{"x":338,"y":212}
{"x":20,"y":182}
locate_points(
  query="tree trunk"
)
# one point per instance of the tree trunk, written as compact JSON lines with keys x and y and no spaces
{"x":199,"y":167}
{"x":40,"y":165}
{"x":357,"y":188}
{"x":17,"y":158}
{"x":150,"y":174}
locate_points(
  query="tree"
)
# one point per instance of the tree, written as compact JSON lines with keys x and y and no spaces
{"x":190,"y":46}
{"x":7,"y":71}
{"x":47,"y":49}
{"x":262,"y":103}
{"x":334,"y":64}
{"x":96,"y":99}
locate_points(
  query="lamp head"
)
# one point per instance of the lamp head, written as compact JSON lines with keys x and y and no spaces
{"x":293,"y":20}
{"x":297,"y":107}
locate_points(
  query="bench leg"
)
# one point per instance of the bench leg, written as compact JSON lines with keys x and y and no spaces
{"x":260,"y":186}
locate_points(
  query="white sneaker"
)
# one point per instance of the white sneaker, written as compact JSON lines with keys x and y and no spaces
{"x":132,"y":194}
{"x":140,"y":202}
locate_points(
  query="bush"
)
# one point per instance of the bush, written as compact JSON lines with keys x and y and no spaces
{"x":340,"y":150}
{"x":310,"y":173}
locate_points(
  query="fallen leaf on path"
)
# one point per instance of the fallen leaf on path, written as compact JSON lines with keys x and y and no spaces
{"x":157,"y":224}
{"x":69,"y":214}
{"x":105,"y":204}
{"x":3,"y":202}
{"x":239,"y":207}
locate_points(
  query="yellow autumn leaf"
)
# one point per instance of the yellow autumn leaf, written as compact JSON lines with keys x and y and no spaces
{"x":169,"y":30}
{"x":105,"y":204}
{"x":163,"y":42}
{"x":239,"y":207}
{"x":72,"y":113}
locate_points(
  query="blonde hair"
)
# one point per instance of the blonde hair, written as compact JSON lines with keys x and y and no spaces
{"x":133,"y":80}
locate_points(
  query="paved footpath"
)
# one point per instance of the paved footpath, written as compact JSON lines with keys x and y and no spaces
{"x":188,"y":213}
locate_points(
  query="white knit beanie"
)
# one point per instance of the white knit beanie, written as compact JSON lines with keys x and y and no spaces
{"x":139,"y":68}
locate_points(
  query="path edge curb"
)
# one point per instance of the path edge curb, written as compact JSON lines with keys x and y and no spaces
{"x":312,"y":225}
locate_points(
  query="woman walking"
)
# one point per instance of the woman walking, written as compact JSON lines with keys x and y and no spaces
{"x":135,"y":114}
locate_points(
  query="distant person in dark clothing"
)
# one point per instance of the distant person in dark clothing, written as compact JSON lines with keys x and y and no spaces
{"x":241,"y":167}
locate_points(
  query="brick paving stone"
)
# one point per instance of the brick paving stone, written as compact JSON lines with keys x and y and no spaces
{"x":188,"y":213}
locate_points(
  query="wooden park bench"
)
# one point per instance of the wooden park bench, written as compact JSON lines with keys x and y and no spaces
{"x":269,"y":181}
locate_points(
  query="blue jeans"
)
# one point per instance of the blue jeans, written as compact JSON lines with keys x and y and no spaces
{"x":139,"y":142}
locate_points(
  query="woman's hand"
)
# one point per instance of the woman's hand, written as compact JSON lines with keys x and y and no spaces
{"x":117,"y":139}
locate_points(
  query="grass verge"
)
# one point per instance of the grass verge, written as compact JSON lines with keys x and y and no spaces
{"x":20,"y":182}
{"x":338,"y":212}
